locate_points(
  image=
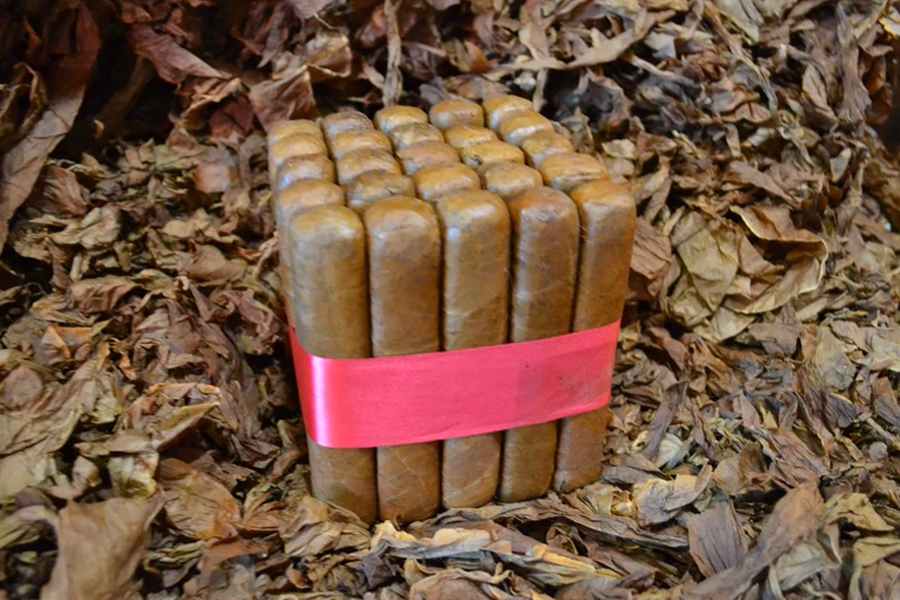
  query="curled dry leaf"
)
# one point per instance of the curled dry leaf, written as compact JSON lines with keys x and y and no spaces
{"x":100,"y":546}
{"x":196,"y":505}
{"x":66,"y":85}
{"x":717,"y":541}
{"x":657,"y":500}
{"x":318,"y":527}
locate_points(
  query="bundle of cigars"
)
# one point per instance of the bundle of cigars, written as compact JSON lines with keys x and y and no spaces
{"x":469,"y":226}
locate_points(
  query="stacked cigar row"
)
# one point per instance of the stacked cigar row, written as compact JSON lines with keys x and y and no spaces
{"x":469,"y":226}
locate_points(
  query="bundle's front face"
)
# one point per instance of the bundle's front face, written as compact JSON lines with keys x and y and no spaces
{"x":469,"y":226}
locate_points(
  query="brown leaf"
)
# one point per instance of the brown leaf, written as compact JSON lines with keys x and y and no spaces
{"x":451,"y":584}
{"x":85,"y":475}
{"x":288,"y":95}
{"x":830,"y":363}
{"x":806,"y":266}
{"x":209,"y":264}
{"x":100,"y":546}
{"x":658,"y":500}
{"x":794,"y":517}
{"x":393,"y":78}
{"x":650,"y":261}
{"x":99,"y":228}
{"x":98,"y":295}
{"x":742,"y":473}
{"x":884,"y":402}
{"x":741,"y":172}
{"x":197,"y":506}
{"x":173,"y":63}
{"x":66,"y":86}
{"x":717,"y":542}
{"x":60,"y":194}
{"x":668,"y":406}
{"x":307,"y":9}
{"x":318,"y":528}
{"x":792,"y":460}
{"x":25,"y":89}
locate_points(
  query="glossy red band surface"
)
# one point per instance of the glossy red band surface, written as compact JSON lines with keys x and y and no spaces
{"x":370,"y":402}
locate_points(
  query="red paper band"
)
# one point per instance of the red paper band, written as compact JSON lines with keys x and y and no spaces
{"x":371,"y":402}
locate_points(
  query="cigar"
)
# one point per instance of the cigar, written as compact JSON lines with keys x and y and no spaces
{"x":331,"y":320}
{"x":545,"y":260}
{"x":517,"y":127}
{"x":426,"y":154}
{"x":390,"y":118}
{"x":288,"y":128}
{"x":304,"y":195}
{"x":540,"y":146}
{"x":370,"y":187}
{"x":352,"y":141}
{"x":349,"y":120}
{"x":565,"y":172}
{"x":455,"y":112}
{"x":299,"y":168}
{"x":509,"y":179}
{"x":479,"y":156}
{"x":415,"y":133}
{"x":498,"y":108}
{"x":607,"y":216}
{"x":353,"y":164}
{"x":443,"y":180}
{"x":404,"y":243}
{"x":300,"y":197}
{"x":296,"y":145}
{"x":476,"y":233}
{"x":463,"y":136}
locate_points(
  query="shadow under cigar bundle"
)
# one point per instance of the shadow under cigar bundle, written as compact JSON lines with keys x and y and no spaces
{"x":469,"y":226}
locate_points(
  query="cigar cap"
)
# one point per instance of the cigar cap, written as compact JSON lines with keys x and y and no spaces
{"x":544,"y":144}
{"x":542,"y":200}
{"x":604,"y":192}
{"x":303,"y":195}
{"x":496,"y":109}
{"x":456,"y":111}
{"x":510,"y":179}
{"x":567,"y":171}
{"x":470,"y":196}
{"x":370,"y":187}
{"x":353,"y":164}
{"x":460,"y":210}
{"x":463,"y":136}
{"x":288,"y":128}
{"x":435,"y":182}
{"x":481,"y":155}
{"x":296,"y":144}
{"x":517,"y":127}
{"x":425,"y":154}
{"x":297,"y":168}
{"x":351,"y":141}
{"x":389,"y":118}
{"x":405,"y":136}
{"x":347,"y":120}
{"x":398,"y":212}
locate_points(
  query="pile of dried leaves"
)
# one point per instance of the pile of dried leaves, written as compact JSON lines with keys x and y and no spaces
{"x":149,"y":442}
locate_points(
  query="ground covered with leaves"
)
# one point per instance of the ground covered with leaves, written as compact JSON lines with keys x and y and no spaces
{"x":150,"y":445}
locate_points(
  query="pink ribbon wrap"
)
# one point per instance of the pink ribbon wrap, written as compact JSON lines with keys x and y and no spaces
{"x":371,"y":402}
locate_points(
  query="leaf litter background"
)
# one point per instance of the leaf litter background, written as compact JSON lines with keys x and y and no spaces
{"x":149,"y":441}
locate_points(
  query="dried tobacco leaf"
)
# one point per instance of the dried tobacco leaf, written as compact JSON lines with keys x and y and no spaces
{"x":196,"y":505}
{"x":717,"y":541}
{"x":100,"y":546}
{"x":66,"y":85}
{"x":658,"y":501}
